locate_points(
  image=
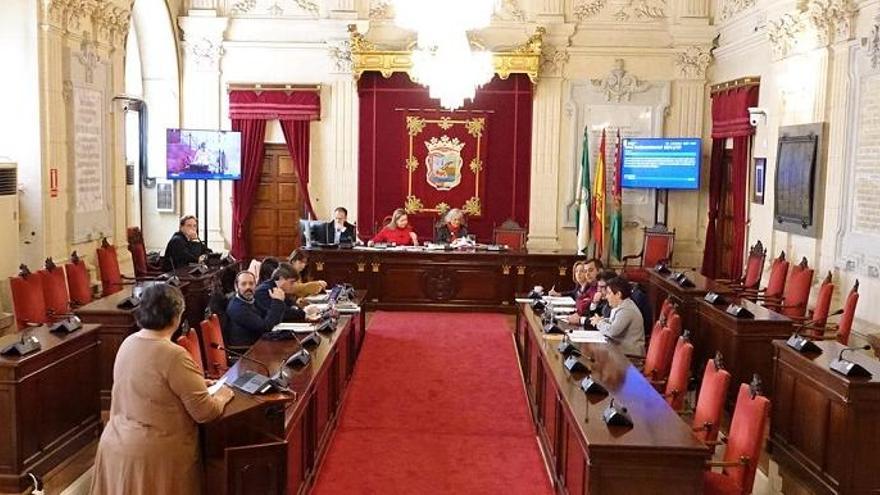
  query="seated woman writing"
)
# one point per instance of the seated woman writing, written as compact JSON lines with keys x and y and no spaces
{"x":453,"y":227}
{"x":397,"y":231}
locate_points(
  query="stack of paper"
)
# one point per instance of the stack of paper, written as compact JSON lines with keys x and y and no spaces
{"x":318,"y":298}
{"x":295,"y":327}
{"x":560,"y":301}
{"x":587,"y":336}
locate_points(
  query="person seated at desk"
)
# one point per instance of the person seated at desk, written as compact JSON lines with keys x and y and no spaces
{"x":453,"y":227}
{"x":299,"y":259}
{"x":282,"y":278}
{"x":246,"y":322}
{"x":268,"y":266}
{"x":184,"y":247}
{"x":624,"y":327}
{"x":598,"y":304}
{"x":585,"y":283}
{"x":337,"y":231}
{"x":397,"y":231}
{"x":151,"y":442}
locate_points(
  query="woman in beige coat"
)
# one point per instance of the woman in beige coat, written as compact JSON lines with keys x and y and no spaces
{"x":150,"y":445}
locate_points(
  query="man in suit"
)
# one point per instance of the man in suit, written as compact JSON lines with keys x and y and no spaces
{"x":184,"y":247}
{"x":284,"y":277}
{"x":246,"y":322}
{"x":337,"y":231}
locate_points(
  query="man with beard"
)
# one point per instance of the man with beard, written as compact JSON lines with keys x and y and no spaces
{"x":284,"y":277}
{"x":246,"y":322}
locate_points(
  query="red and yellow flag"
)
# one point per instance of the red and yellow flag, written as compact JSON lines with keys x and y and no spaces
{"x":599,"y":201}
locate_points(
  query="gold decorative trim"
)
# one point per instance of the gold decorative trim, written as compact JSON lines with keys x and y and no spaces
{"x":361,"y":266}
{"x":520,"y":269}
{"x":413,"y":204}
{"x":562,"y":270}
{"x":319,"y":265}
{"x":736,"y":83}
{"x":365,"y":56}
{"x":473,"y":207}
{"x":505,"y":269}
{"x":442,"y":208}
{"x":375,"y":266}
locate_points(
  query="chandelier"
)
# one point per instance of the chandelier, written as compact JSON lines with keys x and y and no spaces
{"x":443,"y":60}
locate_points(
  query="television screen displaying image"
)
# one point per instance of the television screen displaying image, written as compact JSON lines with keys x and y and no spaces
{"x":200,"y":154}
{"x":661,"y":163}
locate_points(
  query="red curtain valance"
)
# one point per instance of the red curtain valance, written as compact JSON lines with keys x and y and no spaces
{"x":272,"y":105}
{"x":730,"y":112}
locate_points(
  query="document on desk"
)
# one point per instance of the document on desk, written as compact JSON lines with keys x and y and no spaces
{"x":295,"y":327}
{"x":560,"y":301}
{"x":563,"y":310}
{"x":587,"y":336}
{"x":216,"y":386}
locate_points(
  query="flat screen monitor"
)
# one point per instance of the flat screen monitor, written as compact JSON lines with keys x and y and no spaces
{"x":661,"y":163}
{"x":203,"y":154}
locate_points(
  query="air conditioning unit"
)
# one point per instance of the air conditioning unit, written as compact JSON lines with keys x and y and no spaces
{"x":9,"y":259}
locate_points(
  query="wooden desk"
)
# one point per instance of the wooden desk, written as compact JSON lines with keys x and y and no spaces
{"x":443,"y":280}
{"x":115,"y":325}
{"x":49,"y":407}
{"x":824,"y":425}
{"x":273,"y":443}
{"x":658,"y":455}
{"x":661,"y":286}
{"x":744,"y":342}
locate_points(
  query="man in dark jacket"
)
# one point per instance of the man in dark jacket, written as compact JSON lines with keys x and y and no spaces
{"x":246,"y":322}
{"x":283,"y":278}
{"x":338,"y":231}
{"x":185,"y":247}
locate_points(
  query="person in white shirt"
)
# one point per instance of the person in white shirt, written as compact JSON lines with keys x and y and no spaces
{"x":625,"y":327}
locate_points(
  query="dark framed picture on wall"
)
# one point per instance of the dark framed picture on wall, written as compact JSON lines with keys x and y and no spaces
{"x":759,"y":172}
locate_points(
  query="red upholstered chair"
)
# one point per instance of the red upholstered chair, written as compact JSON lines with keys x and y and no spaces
{"x":28,"y":302}
{"x":657,"y":246}
{"x":676,"y":386}
{"x":796,"y":293}
{"x":819,"y":314}
{"x":509,"y":233}
{"x":55,"y":290}
{"x":215,"y":359}
{"x":743,"y":446}
{"x":751,"y":278}
{"x":776,"y":283}
{"x":190,"y":342}
{"x":665,"y":308}
{"x":657,"y":358}
{"x":79,"y":285}
{"x":108,"y":265}
{"x":842,"y":329}
{"x":710,"y":401}
{"x":142,"y":265}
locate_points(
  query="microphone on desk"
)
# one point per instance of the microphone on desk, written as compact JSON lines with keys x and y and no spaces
{"x":302,"y":357}
{"x":849,"y":368}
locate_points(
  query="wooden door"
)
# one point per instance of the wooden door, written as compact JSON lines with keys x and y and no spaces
{"x":273,"y":228}
{"x":726,"y":219}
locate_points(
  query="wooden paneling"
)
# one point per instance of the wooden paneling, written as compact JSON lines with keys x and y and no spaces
{"x":49,"y":404}
{"x":824,"y":428}
{"x":659,"y":454}
{"x":273,"y":225}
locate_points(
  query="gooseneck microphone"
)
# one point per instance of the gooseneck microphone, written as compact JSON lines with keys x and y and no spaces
{"x":865,"y":347}
{"x":241,"y":356}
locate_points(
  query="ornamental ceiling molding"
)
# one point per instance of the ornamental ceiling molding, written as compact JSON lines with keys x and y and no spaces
{"x":641,"y":10}
{"x":584,"y":9}
{"x":366,"y":56}
{"x":871,"y":43}
{"x":509,"y":10}
{"x":783,"y":32}
{"x":202,"y":51}
{"x":111,"y":23}
{"x":250,"y":7}
{"x":619,"y":85}
{"x":553,"y":60}
{"x":88,"y":57}
{"x":68,"y":14}
{"x":833,"y":19}
{"x":242,"y":7}
{"x":693,"y":62}
{"x":734,"y":7}
{"x":340,"y":53}
{"x":381,"y":10}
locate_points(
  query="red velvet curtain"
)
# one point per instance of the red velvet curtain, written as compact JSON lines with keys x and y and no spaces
{"x":253,"y":133}
{"x":730,"y":119}
{"x":296,"y":133}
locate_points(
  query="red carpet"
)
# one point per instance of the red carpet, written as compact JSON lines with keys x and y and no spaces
{"x":436,"y":405}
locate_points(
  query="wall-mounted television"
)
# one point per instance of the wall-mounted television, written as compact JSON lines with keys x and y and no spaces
{"x":202,"y":154}
{"x":661,"y":163}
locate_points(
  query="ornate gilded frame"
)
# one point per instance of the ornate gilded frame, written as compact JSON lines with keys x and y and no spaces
{"x":414,"y":126}
{"x":365,"y":56}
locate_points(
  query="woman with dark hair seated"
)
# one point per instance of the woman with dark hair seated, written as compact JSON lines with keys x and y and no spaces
{"x":150,"y":444}
{"x":268,"y":266}
{"x":624,"y":327}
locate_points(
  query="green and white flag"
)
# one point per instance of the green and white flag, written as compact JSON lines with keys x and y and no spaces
{"x":582,"y":216}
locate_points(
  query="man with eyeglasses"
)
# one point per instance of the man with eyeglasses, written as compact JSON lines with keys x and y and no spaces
{"x":598,"y":303}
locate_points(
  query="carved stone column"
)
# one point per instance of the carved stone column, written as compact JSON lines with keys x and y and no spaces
{"x":202,"y":4}
{"x":686,"y":120}
{"x":342,"y":9}
{"x":544,"y":212}
{"x":202,"y":93}
{"x":550,"y":11}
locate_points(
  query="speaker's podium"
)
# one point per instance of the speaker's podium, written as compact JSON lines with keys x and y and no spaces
{"x":273,"y":443}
